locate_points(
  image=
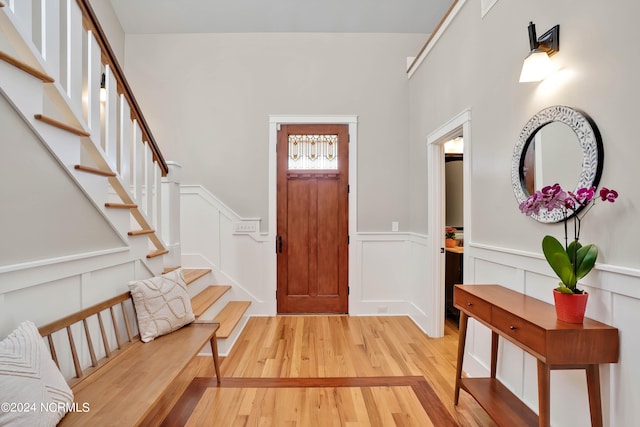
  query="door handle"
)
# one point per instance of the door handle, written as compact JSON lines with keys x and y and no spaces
{"x":279,"y":244}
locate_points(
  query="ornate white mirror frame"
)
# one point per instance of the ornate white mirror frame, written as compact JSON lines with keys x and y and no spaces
{"x":588,"y":137}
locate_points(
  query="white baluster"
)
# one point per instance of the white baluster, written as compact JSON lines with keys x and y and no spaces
{"x":125,"y":141}
{"x":148,"y":180}
{"x":93,"y":77}
{"x":71,"y":74}
{"x":137,"y":162}
{"x":110,"y":136}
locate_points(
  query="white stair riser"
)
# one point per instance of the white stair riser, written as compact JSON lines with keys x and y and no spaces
{"x":199,"y":285}
{"x":225,"y":345}
{"x":23,"y":90}
{"x":216,"y":307}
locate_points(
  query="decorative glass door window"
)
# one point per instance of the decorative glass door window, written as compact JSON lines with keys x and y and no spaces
{"x":313,"y":152}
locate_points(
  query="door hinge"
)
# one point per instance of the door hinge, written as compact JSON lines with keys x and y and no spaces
{"x":348,"y":240}
{"x":348,"y":189}
{"x":348,"y":290}
{"x":348,"y":137}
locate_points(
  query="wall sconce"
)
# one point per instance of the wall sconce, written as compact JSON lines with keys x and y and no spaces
{"x":537,"y":65}
{"x":103,"y":89}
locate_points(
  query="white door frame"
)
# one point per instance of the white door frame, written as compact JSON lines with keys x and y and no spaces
{"x":461,"y":123}
{"x":274,"y":126}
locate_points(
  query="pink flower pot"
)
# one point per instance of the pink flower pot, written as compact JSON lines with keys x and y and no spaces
{"x":570,"y":307}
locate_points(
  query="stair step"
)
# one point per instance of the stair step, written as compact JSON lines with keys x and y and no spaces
{"x":26,"y":68}
{"x":230,"y":316}
{"x":121,"y":205}
{"x":157,"y":253}
{"x":205,"y":299}
{"x":169,"y":269}
{"x":140,"y":232}
{"x":61,"y":125}
{"x":193,"y":274}
{"x":95,"y":171}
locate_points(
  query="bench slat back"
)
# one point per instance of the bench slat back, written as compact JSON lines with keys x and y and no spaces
{"x":87,"y":350}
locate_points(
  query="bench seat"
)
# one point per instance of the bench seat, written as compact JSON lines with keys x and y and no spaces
{"x":126,"y":390}
{"x":137,"y":383}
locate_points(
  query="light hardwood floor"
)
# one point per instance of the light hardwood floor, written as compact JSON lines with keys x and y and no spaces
{"x":331,"y":370}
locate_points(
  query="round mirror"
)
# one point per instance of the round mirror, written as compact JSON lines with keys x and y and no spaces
{"x":559,"y":144}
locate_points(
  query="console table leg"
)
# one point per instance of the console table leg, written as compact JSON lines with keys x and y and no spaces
{"x":544,"y":394}
{"x":462,"y":339}
{"x":593,"y":386}
{"x":494,"y":353}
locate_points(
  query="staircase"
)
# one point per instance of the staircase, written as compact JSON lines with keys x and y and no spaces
{"x":53,"y":57}
{"x":214,"y":302}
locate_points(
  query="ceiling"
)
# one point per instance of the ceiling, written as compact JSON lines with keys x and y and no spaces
{"x":248,"y":16}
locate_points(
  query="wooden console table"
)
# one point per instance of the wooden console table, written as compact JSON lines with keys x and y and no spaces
{"x":531,"y":325}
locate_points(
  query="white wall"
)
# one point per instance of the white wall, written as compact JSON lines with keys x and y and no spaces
{"x":476,"y":65}
{"x":111,"y":26}
{"x":45,"y":214}
{"x":208,"y":98}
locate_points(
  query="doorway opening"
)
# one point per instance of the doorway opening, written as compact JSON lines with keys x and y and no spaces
{"x":454,"y":222}
{"x":458,"y":126}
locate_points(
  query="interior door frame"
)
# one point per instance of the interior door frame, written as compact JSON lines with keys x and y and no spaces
{"x":275,"y":121}
{"x":436,"y":222}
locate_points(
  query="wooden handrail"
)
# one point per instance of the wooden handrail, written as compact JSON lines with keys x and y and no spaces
{"x":91,"y":21}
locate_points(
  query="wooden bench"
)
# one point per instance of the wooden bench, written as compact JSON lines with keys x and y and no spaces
{"x":133,"y":383}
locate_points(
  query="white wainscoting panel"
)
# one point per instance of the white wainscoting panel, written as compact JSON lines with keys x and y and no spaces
{"x":625,"y":375}
{"x":384,"y":268}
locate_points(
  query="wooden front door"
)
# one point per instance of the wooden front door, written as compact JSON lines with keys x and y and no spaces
{"x":312,"y":236}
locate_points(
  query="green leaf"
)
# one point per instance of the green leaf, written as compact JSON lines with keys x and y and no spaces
{"x":562,"y":288}
{"x":559,"y":260}
{"x":573,"y":247}
{"x":586,"y":260}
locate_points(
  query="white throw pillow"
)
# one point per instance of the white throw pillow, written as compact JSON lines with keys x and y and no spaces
{"x":162,"y":304}
{"x":33,"y":392}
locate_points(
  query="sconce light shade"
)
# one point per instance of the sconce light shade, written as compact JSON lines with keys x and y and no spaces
{"x":537,"y":65}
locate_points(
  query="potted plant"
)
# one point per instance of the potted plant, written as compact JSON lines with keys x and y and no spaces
{"x":571,"y":261}
{"x":450,"y":237}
